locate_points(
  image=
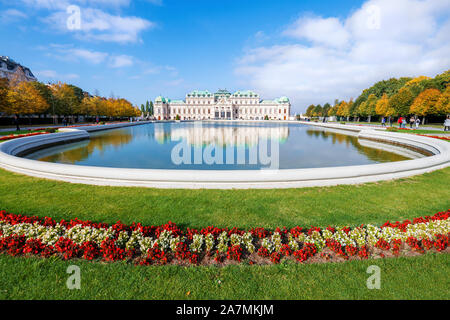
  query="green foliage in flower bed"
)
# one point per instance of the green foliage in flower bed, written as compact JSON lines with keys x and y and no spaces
{"x":341,"y":205}
{"x":422,"y":277}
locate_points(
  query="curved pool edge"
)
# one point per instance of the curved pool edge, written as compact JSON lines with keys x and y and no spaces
{"x":224,"y":179}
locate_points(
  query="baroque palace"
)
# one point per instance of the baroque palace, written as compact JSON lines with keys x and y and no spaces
{"x":222,"y":105}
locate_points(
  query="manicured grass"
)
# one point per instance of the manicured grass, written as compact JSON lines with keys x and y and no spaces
{"x":395,"y":124}
{"x":341,"y":205}
{"x":424,"y":277}
{"x":419,"y":131}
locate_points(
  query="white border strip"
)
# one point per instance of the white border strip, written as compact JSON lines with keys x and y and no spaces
{"x":224,"y":179}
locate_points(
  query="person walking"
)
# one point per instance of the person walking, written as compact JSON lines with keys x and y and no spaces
{"x":417,"y":123}
{"x":383,"y":122}
{"x":411,"y":122}
{"x":447,"y":124}
{"x":400,"y":121}
{"x":16,"y":122}
{"x":404,"y":123}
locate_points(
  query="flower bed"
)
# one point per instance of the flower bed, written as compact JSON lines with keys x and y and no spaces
{"x":15,"y":136}
{"x":168,"y":244}
{"x":435,"y":137}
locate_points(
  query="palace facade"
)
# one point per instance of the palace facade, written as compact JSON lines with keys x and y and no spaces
{"x":222,"y":105}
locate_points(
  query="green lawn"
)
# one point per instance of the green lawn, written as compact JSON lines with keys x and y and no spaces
{"x":420,"y":131}
{"x":340,"y":205}
{"x":424,"y":277}
{"x":395,"y":124}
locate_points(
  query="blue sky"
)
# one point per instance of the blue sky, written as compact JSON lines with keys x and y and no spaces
{"x":310,"y":51}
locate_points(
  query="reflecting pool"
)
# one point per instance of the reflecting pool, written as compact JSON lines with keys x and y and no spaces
{"x":220,"y":146}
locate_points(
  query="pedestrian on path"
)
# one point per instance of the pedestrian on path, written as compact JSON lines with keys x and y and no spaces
{"x":16,"y":122}
{"x":447,"y":124}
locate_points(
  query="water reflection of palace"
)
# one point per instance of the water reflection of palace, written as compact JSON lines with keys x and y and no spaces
{"x":113,"y":138}
{"x":225,"y":135}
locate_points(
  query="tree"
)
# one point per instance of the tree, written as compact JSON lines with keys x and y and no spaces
{"x":151,"y":108}
{"x":443,"y":105}
{"x":310,"y":111}
{"x":147,"y":108}
{"x":46,"y":92}
{"x":367,"y":108}
{"x":66,"y":101}
{"x":4,"y":88}
{"x":23,"y":98}
{"x":333,"y":110}
{"x":401,"y":102}
{"x":317,"y":111}
{"x":382,"y":107}
{"x":326,"y":109}
{"x":343,"y":109}
{"x":390,"y":87}
{"x":426,"y":103}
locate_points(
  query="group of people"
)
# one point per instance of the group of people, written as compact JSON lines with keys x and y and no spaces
{"x":413,"y":121}
{"x":402,"y":122}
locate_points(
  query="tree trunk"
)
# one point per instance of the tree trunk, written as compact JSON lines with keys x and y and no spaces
{"x":369,"y":118}
{"x":423,"y":120}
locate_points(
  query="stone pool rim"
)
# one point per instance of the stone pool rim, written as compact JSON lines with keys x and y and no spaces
{"x":223,"y":179}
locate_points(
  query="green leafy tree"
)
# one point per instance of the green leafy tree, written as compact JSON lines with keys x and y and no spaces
{"x":317,"y":111}
{"x":367,"y":108}
{"x":310,"y":110}
{"x":390,"y":87}
{"x":401,"y":102}
{"x":326,"y":108}
{"x":151,"y":107}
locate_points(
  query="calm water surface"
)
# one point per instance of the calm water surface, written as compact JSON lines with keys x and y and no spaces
{"x":152,"y":146}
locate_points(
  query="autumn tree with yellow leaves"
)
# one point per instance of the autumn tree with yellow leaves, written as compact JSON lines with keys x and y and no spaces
{"x":443,"y":104}
{"x":426,"y":103}
{"x":382,"y":107}
{"x":24,"y":99}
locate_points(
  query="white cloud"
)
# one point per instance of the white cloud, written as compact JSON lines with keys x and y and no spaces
{"x":62,"y":4}
{"x":99,"y":25}
{"x":121,"y":61}
{"x":51,"y":74}
{"x":90,"y":56}
{"x":11,"y":15}
{"x":337,"y":58}
{"x":69,"y":53}
{"x":328,"y":31}
{"x":96,"y":23}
